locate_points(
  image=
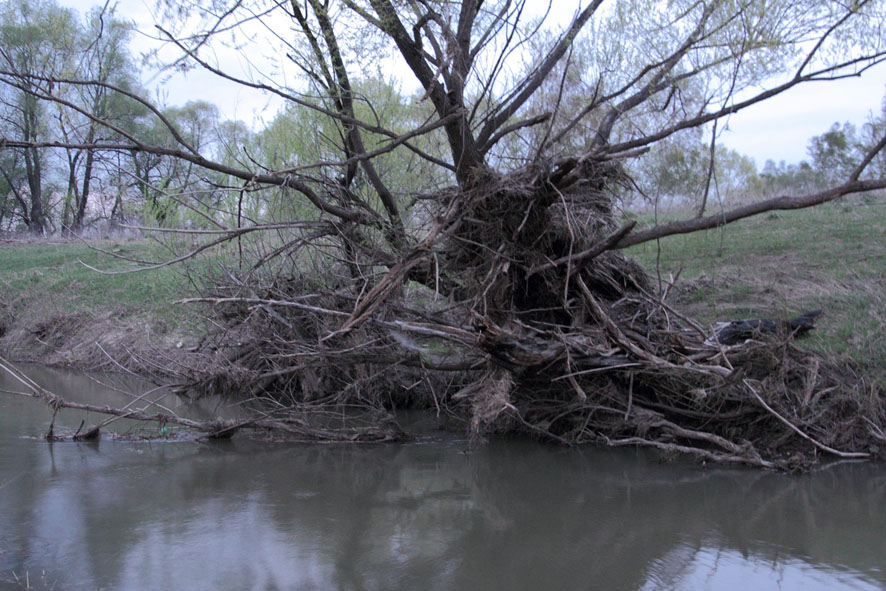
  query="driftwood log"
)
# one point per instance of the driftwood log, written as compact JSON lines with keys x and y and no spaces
{"x":732,"y":333}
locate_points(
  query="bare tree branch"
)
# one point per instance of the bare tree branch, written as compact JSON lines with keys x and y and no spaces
{"x":727,"y":217}
{"x":532,"y":82}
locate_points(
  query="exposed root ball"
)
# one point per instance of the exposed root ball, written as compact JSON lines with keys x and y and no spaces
{"x":515,"y":314}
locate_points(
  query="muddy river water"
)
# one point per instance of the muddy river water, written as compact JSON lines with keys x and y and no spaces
{"x":432,"y":514}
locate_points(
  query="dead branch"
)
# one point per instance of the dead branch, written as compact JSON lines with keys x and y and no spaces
{"x":795,"y":429}
{"x":727,"y":217}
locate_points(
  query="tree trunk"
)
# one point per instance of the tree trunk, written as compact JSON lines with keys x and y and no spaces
{"x":33,"y":167}
{"x":18,"y":196}
{"x":37,"y":223}
{"x":70,"y":195}
{"x":84,"y":193}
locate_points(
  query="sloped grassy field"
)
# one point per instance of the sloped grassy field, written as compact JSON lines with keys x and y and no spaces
{"x":55,"y":310}
{"x":831,"y":257}
{"x":49,"y":276}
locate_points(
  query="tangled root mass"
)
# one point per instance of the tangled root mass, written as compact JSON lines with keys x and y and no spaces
{"x":516,"y":313}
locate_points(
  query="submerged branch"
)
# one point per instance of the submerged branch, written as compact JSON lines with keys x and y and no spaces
{"x":217,"y":428}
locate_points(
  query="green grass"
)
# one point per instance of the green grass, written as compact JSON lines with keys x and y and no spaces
{"x":831,"y":257}
{"x":50,"y":277}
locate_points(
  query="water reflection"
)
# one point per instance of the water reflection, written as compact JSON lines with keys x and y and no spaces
{"x":428,"y":515}
{"x":724,"y":569}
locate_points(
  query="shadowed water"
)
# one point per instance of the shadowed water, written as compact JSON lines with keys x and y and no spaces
{"x":424,"y":515}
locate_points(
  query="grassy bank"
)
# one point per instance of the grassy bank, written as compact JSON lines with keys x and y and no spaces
{"x":30,"y":271}
{"x":831,"y":257}
{"x":54,"y":309}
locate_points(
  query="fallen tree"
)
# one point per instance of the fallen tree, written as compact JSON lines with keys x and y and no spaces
{"x":571,"y":348}
{"x":488,"y":284}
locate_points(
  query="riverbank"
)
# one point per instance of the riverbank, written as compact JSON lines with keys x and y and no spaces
{"x":56,"y":311}
{"x":831,"y":257}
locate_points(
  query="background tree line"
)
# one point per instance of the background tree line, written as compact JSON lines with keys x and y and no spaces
{"x":54,"y":190}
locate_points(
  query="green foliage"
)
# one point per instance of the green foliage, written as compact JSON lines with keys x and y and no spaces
{"x":784,"y":177}
{"x":39,"y":40}
{"x":42,"y":41}
{"x":737,"y":45}
{"x":835,"y":153}
{"x":833,"y":156}
{"x":674,"y":172}
{"x":38,"y":35}
{"x":303,"y":139}
{"x":163,"y":181}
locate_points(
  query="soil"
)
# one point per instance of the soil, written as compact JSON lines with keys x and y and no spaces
{"x":108,"y":342}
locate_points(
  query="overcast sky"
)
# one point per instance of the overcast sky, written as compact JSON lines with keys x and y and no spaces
{"x":777,"y":129}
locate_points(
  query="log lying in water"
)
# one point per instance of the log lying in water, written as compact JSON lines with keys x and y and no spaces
{"x":737,"y":331}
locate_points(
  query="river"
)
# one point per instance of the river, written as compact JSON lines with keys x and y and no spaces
{"x":431,"y":514}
